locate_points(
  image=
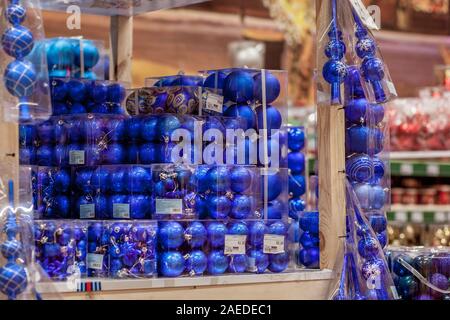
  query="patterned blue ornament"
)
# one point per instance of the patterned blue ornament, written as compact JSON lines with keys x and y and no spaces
{"x":196,"y":263}
{"x":217,"y":263}
{"x":77,"y":90}
{"x":11,"y":249}
{"x":359,"y":168}
{"x":218,"y":179}
{"x":44,"y":156}
{"x":310,"y":258}
{"x":242,"y":111}
{"x":378,"y":168}
{"x":60,"y":54}
{"x":296,"y":139}
{"x":278,"y":262}
{"x":196,"y":234}
{"x":366,"y":47}
{"x":13,"y":280}
{"x":373,"y":268}
{"x":257,"y":231}
{"x":272,"y":87}
{"x":171,"y":235}
{"x":216,"y":234}
{"x":309,"y":240}
{"x":17,"y":41}
{"x":15,"y":13}
{"x":335,"y":49}
{"x":368,"y":247}
{"x":309,"y":221}
{"x":242,"y":207}
{"x":182,"y":101}
{"x":274,"y":118}
{"x":215,"y":80}
{"x":296,"y":206}
{"x":219,"y":207}
{"x":238,"y":263}
{"x":171,"y":264}
{"x":356,"y":111}
{"x":297,"y":185}
{"x":241,"y":179}
{"x":238,"y":87}
{"x":296,"y":162}
{"x":258,"y":261}
{"x":373,"y":71}
{"x":334,"y":72}
{"x":20,"y":78}
{"x":88,"y":50}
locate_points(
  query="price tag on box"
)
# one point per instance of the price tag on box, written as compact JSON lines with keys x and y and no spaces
{"x":273,"y":244}
{"x":169,"y":206}
{"x":121,"y":211}
{"x":87,"y":211}
{"x":214,"y":102}
{"x":95,"y":261}
{"x":235,"y":244}
{"x":76,"y":157}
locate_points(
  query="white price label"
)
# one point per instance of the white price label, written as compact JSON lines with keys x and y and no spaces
{"x":433,"y":170}
{"x":235,"y":244}
{"x":401,"y":217}
{"x":273,"y":244}
{"x":214,"y":102}
{"x":87,"y":211}
{"x":95,"y":261}
{"x":169,"y":206}
{"x":76,"y":157}
{"x":440,"y":217}
{"x":406,"y":169}
{"x":364,"y":15}
{"x":121,"y":211}
{"x":417,"y":217}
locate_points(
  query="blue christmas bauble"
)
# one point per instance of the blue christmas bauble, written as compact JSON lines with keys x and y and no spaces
{"x":244,"y":112}
{"x":60,"y":54}
{"x":196,"y":263}
{"x":181,"y":80}
{"x":100,"y":179}
{"x":359,"y":168}
{"x":297,"y":185}
{"x":133,"y":128}
{"x":17,"y":41}
{"x":378,"y":168}
{"x":408,"y":287}
{"x":27,"y":155}
{"x":334,"y":71}
{"x":118,"y":180}
{"x":88,"y":51}
{"x":59,"y":90}
{"x":398,"y":267}
{"x":278,"y":262}
{"x":257,"y":231}
{"x":219,"y":207}
{"x":309,"y":221}
{"x":360,"y":139}
{"x":196,"y":234}
{"x":77,"y":108}
{"x":62,"y":181}
{"x":353,"y":86}
{"x":115,"y":153}
{"x":167,"y":124}
{"x":13,"y":280}
{"x":275,"y":186}
{"x":382,"y":239}
{"x":373,"y":69}
{"x":171,"y":264}
{"x":258,"y":261}
{"x":139,"y":180}
{"x":60,"y":108}
{"x":199,"y":180}
{"x":77,"y":90}
{"x":20,"y":78}
{"x":148,"y":153}
{"x":296,"y":206}
{"x":274,"y":118}
{"x":376,"y":114}
{"x":365,"y":47}
{"x":275,"y":210}
{"x":241,"y":179}
{"x":272,"y":87}
{"x":132,"y":153}
{"x":101,"y":108}
{"x":140,"y":206}
{"x":242,"y":207}
{"x":218,"y":179}
{"x":215,"y":80}
{"x":238,"y":263}
{"x":11,"y":249}
{"x":377,"y":221}
{"x":309,"y":240}
{"x":217,"y":263}
{"x":238,"y":87}
{"x":296,"y":139}
{"x":115,"y":130}
{"x":83,"y":178}
{"x":278,"y":228}
{"x":171,"y":235}
{"x":99,"y":92}
{"x":368,"y":247}
{"x":309,"y":258}
{"x":335,"y":49}
{"x":296,"y":162}
{"x":44,"y":156}
{"x":238,"y":228}
{"x":371,"y":197}
{"x":182,"y":101}
{"x":216,"y":234}
{"x":356,"y":111}
{"x":15,"y":13}
{"x":116,"y":93}
{"x":62,"y":206}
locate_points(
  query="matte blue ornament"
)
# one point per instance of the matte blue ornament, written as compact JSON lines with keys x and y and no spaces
{"x":359,"y":168}
{"x":219,"y":207}
{"x":296,"y":162}
{"x":59,"y":54}
{"x":257,"y":231}
{"x":197,"y":204}
{"x":238,"y":263}
{"x":196,"y":234}
{"x":215,"y":80}
{"x":274,"y":119}
{"x":44,"y":156}
{"x":373,"y":71}
{"x":296,"y":206}
{"x":77,"y":90}
{"x":272,"y":87}
{"x":238,"y":228}
{"x":99,"y":92}
{"x":216,"y":234}
{"x":89,"y":51}
{"x":399,"y":268}
{"x":172,"y":264}
{"x":242,"y":207}
{"x":309,"y":221}
{"x":278,"y":262}
{"x":59,"y":90}
{"x":218,"y":179}
{"x":368,"y":247}
{"x":310,"y":258}
{"x":13,"y":280}
{"x":148,"y":153}
{"x":20,"y":78}
{"x":297,"y":185}
{"x":361,"y":139}
{"x":115,"y":153}
{"x":140,"y":206}
{"x":275,"y":210}
{"x":238,"y":87}
{"x":241,"y":179}
{"x":275,"y":186}
{"x":77,"y":108}
{"x":133,"y":128}
{"x":171,"y":235}
{"x":296,"y":139}
{"x":356,"y":111}
{"x":101,"y":108}
{"x":196,"y":263}
{"x":15,"y":13}
{"x":242,"y":111}
{"x":217,"y":263}
{"x":17,"y":41}
{"x":258,"y":261}
{"x":309,"y":240}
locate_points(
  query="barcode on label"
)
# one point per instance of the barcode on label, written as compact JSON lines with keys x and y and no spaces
{"x":214,"y":102}
{"x":76,"y":157}
{"x":273,"y":244}
{"x":235,"y":244}
{"x":95,"y":261}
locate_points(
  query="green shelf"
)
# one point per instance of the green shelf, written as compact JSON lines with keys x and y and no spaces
{"x":419,"y":214}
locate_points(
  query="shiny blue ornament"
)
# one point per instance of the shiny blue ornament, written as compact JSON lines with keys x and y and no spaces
{"x":217,"y":263}
{"x":100,"y":179}
{"x":238,"y":263}
{"x":171,"y":235}
{"x":368,"y":247}
{"x":196,"y":263}
{"x":258,"y":261}
{"x":77,"y":90}
{"x":115,"y":129}
{"x":297,"y":185}
{"x":310,"y":258}
{"x":242,"y":111}
{"x":238,"y":228}
{"x":196,"y":234}
{"x":296,"y":206}
{"x":216,"y":234}
{"x":171,"y":264}
{"x":77,"y":108}
{"x":272,"y":87}
{"x":62,"y":181}
{"x":118,"y":180}
{"x":296,"y":162}
{"x":257,"y":231}
{"x":11,"y":249}
{"x":13,"y":280}
{"x":167,"y":124}
{"x":114,"y":154}
{"x":218,"y":179}
{"x":83,"y":178}
{"x":20,"y":78}
{"x":377,"y":221}
{"x":382,"y":239}
{"x":278,"y":228}
{"x":148,"y":153}
{"x":60,"y":55}
{"x":101,"y":108}
{"x":296,"y":139}
{"x":242,"y":207}
{"x":399,"y":268}
{"x":140,"y":206}
{"x":116,"y":93}
{"x":278,"y":262}
{"x":99,"y":92}
{"x":133,"y":128}
{"x":309,"y":221}
{"x":182,"y":101}
{"x":62,"y":206}
{"x":215,"y":80}
{"x":15,"y":13}
{"x":187,"y":81}
{"x":359,"y":168}
{"x":378,"y":168}
{"x":44,"y":156}
{"x":371,"y":197}
{"x":59,"y":90}
{"x":356,"y":111}
{"x":241,"y":179}
{"x":353,"y":84}
{"x":373,"y":71}
{"x":376,"y":114}
{"x":132,"y":153}
{"x":309,"y":240}
{"x":197,"y":204}
{"x":275,"y":210}
{"x":88,"y":51}
{"x":274,"y":118}
{"x":17,"y":41}
{"x":275,"y":186}
{"x":140,"y":180}
{"x":361,"y":139}
{"x":335,"y":49}
{"x":334,"y":72}
{"x":199,"y":180}
{"x":219,"y":207}
{"x":238,"y":87}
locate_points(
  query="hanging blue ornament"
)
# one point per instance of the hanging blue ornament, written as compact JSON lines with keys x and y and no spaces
{"x":365,"y":47}
{"x":148,"y":153}
{"x":274,"y":118}
{"x":238,"y":263}
{"x":257,"y":231}
{"x":171,"y":235}
{"x":296,"y":139}
{"x":215,"y":80}
{"x":216,"y":234}
{"x":241,"y":179}
{"x":77,"y":90}
{"x":20,"y":78}
{"x":242,"y":207}
{"x":217,"y":263}
{"x":242,"y":111}
{"x":238,"y":87}
{"x":219,"y":207}
{"x":88,"y":51}
{"x":334,"y":72}
{"x":172,"y":264}
{"x":373,"y":71}
{"x":296,"y":206}
{"x":272,"y":87}
{"x":17,"y":41}
{"x":196,"y":234}
{"x":297,"y":185}
{"x":15,"y":13}
{"x":296,"y":162}
{"x":278,"y":262}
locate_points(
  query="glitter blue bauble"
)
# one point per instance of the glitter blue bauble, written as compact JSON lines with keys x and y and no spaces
{"x":115,"y":129}
{"x":278,"y":228}
{"x":371,"y":197}
{"x":218,"y":179}
{"x":13,"y":279}
{"x":297,"y":185}
{"x":275,"y":186}
{"x":275,"y":210}
{"x":115,"y":153}
{"x":361,"y":139}
{"x":140,"y":206}
{"x":101,"y":207}
{"x":196,"y":263}
{"x":356,"y":111}
{"x":100,"y":179}
{"x":27,"y":155}
{"x":133,"y":128}
{"x":83,"y":178}
{"x":98,"y":92}
{"x":216,"y":234}
{"x":217,"y":262}
{"x":77,"y":90}
{"x":238,"y":263}
{"x":272,"y":87}
{"x":368,"y":247}
{"x":167,"y":124}
{"x":15,"y":13}
{"x":62,"y":181}
{"x":59,"y":90}
{"x":257,"y":231}
{"x":215,"y":80}
{"x":199,"y":180}
{"x":309,"y":240}
{"x":242,"y":207}
{"x":59,"y":54}
{"x":296,"y":206}
{"x":296,"y":139}
{"x":309,"y":221}
{"x":241,"y":179}
{"x":258,"y":261}
{"x":17,"y":41}
{"x":238,"y":228}
{"x":309,"y":258}
{"x":196,"y":235}
{"x":118,"y":180}
{"x":171,"y":264}
{"x":274,"y":119}
{"x":20,"y":78}
{"x":44,"y":156}
{"x":171,"y":235}
{"x":62,"y":206}
{"x":119,"y":199}
{"x":278,"y":262}
{"x":91,"y":54}
{"x":116,"y":93}
{"x":296,"y":162}
{"x":398,"y":267}
{"x":132,"y":153}
{"x":219,"y":207}
{"x":359,"y":168}
{"x":148,"y":153}
{"x":77,"y":108}
{"x":11,"y":249}
{"x":139,"y":180}
{"x":244,"y":112}
{"x":238,"y":87}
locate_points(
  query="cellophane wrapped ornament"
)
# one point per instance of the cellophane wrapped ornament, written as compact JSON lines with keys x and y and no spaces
{"x":420,"y":273}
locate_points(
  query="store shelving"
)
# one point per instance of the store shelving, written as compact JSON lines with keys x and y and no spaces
{"x":419,"y":213}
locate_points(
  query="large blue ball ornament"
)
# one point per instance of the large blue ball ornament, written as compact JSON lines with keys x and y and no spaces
{"x":62,"y":206}
{"x":219,"y":179}
{"x":59,"y":90}
{"x":257,"y":231}
{"x":238,"y":228}
{"x":88,"y":51}
{"x":278,"y":228}
{"x":258,"y":261}
{"x":20,"y":78}
{"x":296,"y":139}
{"x":172,"y":264}
{"x":371,"y":197}
{"x":115,"y":153}
{"x":238,"y":87}
{"x":368,"y":247}
{"x":238,"y":263}
{"x":139,"y":180}
{"x":373,"y":69}
{"x":297,"y":185}
{"x":11,"y":249}
{"x":77,"y":90}
{"x":148,"y":127}
{"x":365,"y":47}
{"x":148,"y":153}
{"x":274,"y":119}
{"x":244,"y":112}
{"x":199,"y":180}
{"x":309,"y":221}
{"x":278,"y":262}
{"x":361,"y":139}
{"x":296,"y":162}
{"x":99,"y":92}
{"x":167,"y":124}
{"x":196,"y":234}
{"x":272,"y":87}
{"x":44,"y":155}
{"x":241,"y":179}
{"x":309,"y":258}
{"x":15,"y":14}
{"x":13,"y":280}
{"x":359,"y":168}
{"x":242,"y":207}
{"x":116,"y":93}
{"x":196,"y":263}
{"x":171,"y":235}
{"x":140,"y":206}
{"x":216,"y":234}
{"x":309,"y":240}
{"x":356,"y":111}
{"x":17,"y":41}
{"x":219,"y":207}
{"x":217,"y":262}
{"x":60,"y":54}
{"x":188,"y":81}
{"x":334,"y":71}
{"x":215,"y":80}
{"x":377,"y":221}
